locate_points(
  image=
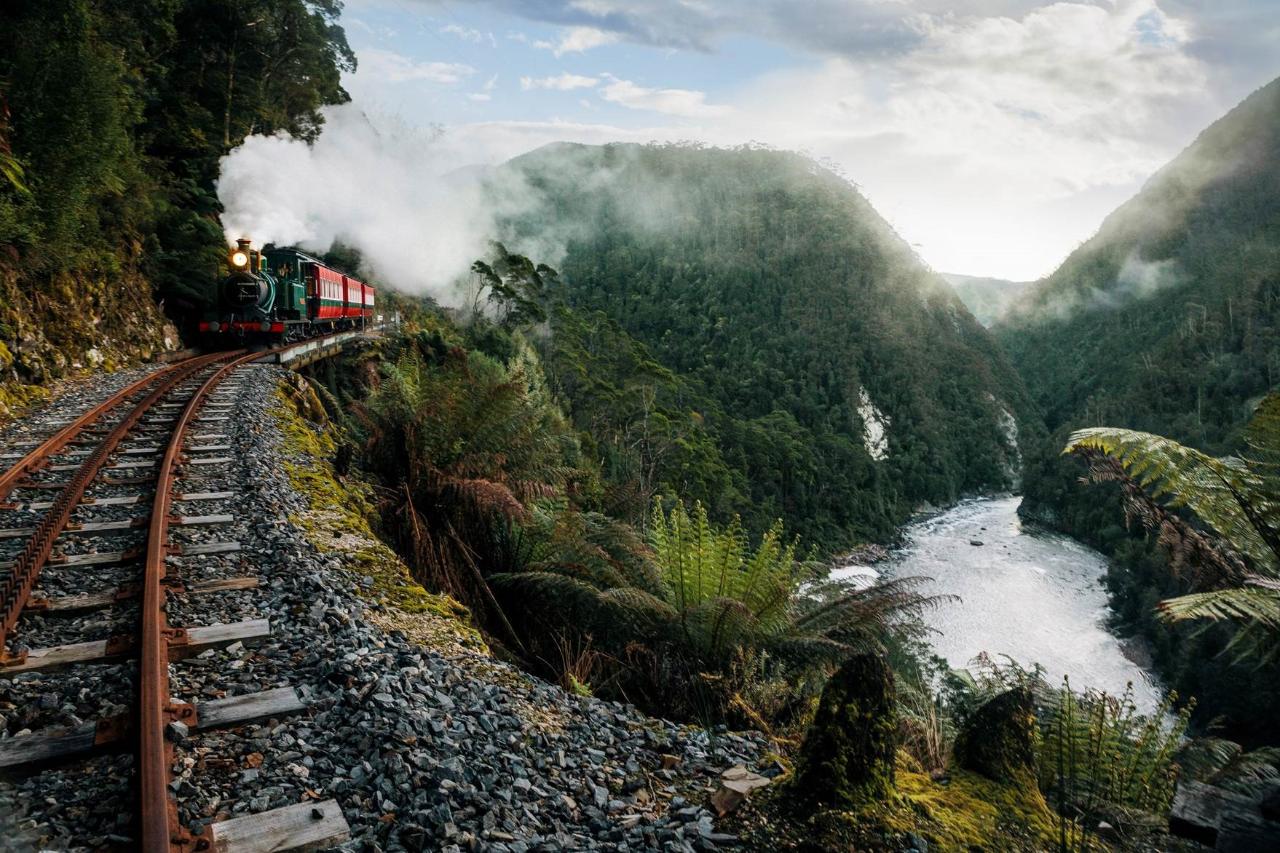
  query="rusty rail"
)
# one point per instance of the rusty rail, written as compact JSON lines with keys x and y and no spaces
{"x":55,"y":443}
{"x":161,"y":830}
{"x":15,"y":590}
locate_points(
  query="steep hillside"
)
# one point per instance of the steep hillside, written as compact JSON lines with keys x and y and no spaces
{"x":1167,"y":319}
{"x":833,"y":380}
{"x":986,"y":298}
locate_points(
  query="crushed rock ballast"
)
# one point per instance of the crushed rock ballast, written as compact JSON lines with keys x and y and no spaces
{"x":425,"y":740}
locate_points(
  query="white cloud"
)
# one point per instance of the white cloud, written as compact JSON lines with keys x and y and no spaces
{"x":381,"y":32}
{"x":469,"y":34}
{"x":561,"y":82}
{"x":996,"y":144}
{"x":578,"y":40}
{"x":480,"y":96}
{"x":493,"y":142}
{"x":676,"y":102}
{"x":994,"y":134}
{"x":391,"y":67}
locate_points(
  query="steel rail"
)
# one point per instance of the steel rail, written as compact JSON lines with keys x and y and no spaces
{"x":15,"y":590}
{"x":33,"y":460}
{"x":161,"y":831}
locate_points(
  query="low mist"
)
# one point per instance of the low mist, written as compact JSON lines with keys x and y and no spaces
{"x":387,"y":189}
{"x":1136,"y":279}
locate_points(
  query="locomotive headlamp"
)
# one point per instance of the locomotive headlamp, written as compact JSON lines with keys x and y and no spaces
{"x":239,"y":259}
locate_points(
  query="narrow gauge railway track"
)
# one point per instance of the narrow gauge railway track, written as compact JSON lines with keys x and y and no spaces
{"x":156,"y":721}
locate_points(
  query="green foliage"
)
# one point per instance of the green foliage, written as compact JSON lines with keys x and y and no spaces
{"x":649,"y":427}
{"x":1225,"y":764}
{"x":727,"y":596}
{"x":512,"y":288}
{"x":115,"y":115}
{"x":1101,"y":760}
{"x":1097,"y":758}
{"x":1235,"y":563}
{"x":465,"y":444}
{"x":774,"y":298}
{"x":707,"y":623}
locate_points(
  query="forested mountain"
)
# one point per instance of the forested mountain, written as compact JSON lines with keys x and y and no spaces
{"x":986,"y":298}
{"x":1166,"y":321}
{"x":786,"y":354}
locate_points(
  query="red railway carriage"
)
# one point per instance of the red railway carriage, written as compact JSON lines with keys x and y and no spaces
{"x":327,"y":293}
{"x":353,"y":298}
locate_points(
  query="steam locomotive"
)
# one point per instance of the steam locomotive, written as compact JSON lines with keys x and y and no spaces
{"x":282,"y":295}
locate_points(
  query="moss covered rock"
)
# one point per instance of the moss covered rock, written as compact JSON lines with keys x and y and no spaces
{"x":999,"y":739}
{"x":848,"y":754}
{"x":100,"y":316}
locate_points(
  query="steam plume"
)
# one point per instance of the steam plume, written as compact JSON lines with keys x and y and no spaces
{"x":385,"y":188}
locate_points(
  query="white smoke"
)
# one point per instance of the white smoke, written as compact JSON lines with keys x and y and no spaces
{"x":391,"y":191}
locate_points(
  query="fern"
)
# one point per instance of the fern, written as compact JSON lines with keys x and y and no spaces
{"x":1222,"y":493}
{"x":1234,"y":563}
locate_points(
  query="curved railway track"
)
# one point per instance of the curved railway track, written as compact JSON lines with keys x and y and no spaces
{"x":113,"y":447}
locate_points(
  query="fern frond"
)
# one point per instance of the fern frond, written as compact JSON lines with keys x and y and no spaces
{"x":1247,"y":604}
{"x":1224,"y":494}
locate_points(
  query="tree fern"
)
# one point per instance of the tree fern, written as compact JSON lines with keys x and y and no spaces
{"x":1235,"y":562}
{"x":1222,"y":493}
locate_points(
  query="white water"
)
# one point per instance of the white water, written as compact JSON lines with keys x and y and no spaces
{"x":1029,"y":594}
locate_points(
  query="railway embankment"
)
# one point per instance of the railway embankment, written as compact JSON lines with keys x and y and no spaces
{"x":73,"y":324}
{"x":424,"y":739}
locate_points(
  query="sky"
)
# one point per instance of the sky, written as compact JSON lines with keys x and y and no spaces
{"x":994,"y":135}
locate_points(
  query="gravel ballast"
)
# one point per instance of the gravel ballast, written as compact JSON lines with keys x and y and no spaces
{"x":425,"y":740}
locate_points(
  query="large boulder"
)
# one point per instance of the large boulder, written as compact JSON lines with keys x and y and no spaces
{"x":999,"y":739}
{"x":848,"y":754}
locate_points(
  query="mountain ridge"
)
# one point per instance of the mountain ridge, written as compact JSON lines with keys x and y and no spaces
{"x":808,"y":329}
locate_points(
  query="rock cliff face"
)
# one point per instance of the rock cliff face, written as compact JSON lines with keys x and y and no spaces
{"x":73,"y":323}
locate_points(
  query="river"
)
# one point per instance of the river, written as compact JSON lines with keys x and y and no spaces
{"x":1030,"y":594}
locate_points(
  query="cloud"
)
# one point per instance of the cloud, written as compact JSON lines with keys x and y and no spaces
{"x":391,"y":67}
{"x":677,"y":102}
{"x":831,"y":26}
{"x":578,"y":40}
{"x":562,"y":82}
{"x":995,"y":134}
{"x":486,"y":91}
{"x":996,"y":143}
{"x":469,"y":34}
